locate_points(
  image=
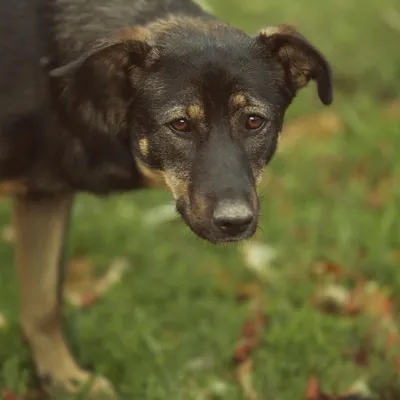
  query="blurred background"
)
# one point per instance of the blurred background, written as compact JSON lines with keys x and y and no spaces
{"x":312,"y":301}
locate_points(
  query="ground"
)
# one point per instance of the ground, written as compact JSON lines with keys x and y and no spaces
{"x":178,"y":323}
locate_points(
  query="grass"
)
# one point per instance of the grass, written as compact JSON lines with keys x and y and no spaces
{"x":147,"y":332}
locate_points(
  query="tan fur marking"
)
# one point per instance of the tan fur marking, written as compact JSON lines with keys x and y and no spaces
{"x":153,"y":178}
{"x":144,"y":147}
{"x":162,"y":180}
{"x":8,"y":188}
{"x":278,"y":30}
{"x":178,"y":187}
{"x":270,"y":30}
{"x":238,"y":100}
{"x":133,"y":33}
{"x":196,"y":112}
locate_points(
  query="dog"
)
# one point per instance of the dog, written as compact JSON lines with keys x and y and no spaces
{"x":106,"y":96}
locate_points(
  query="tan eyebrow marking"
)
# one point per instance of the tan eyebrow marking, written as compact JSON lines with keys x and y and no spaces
{"x":238,"y":100}
{"x":196,"y":112}
{"x":152,"y":178}
{"x":177,"y":186}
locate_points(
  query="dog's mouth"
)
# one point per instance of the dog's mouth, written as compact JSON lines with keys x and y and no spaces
{"x":222,"y":230}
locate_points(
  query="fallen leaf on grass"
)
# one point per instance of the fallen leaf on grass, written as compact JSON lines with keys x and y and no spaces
{"x":314,"y":392}
{"x":83,"y":288}
{"x":259,"y":258}
{"x":370,"y":299}
{"x":10,"y":395}
{"x":217,"y":388}
{"x":250,"y":339}
{"x":360,"y":388}
{"x":365,"y":297}
{"x":244,"y":376}
{"x":328,"y":268}
{"x":331,"y":298}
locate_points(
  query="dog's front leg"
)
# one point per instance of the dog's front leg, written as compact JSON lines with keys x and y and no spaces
{"x":41,"y":225}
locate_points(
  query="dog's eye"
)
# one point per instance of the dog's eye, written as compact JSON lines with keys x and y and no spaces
{"x":254,"y":122}
{"x":181,"y":125}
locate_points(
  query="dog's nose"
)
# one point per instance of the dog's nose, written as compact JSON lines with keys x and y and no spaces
{"x":233,"y":217}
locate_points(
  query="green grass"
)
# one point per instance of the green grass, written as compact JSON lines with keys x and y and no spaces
{"x":169,"y":311}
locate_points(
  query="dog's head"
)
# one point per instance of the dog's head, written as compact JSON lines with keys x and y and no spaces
{"x":202,"y":105}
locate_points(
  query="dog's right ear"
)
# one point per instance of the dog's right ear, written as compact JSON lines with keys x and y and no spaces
{"x":96,"y":88}
{"x":301,"y":61}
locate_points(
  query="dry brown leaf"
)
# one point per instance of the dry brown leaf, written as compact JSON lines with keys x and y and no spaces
{"x":250,"y":339}
{"x":244,"y":375}
{"x":360,"y":388}
{"x":312,"y":390}
{"x":331,"y":298}
{"x":369,"y":298}
{"x":366,"y":297}
{"x":329,"y":269}
{"x":259,"y":257}
{"x":10,"y":395}
{"x":83,"y":287}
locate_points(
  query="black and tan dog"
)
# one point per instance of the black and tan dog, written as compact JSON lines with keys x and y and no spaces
{"x":107,"y":96}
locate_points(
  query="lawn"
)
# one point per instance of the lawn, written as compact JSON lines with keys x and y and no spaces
{"x":174,"y":326}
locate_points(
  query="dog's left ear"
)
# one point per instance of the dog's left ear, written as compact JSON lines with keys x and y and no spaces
{"x":301,"y":61}
{"x":96,"y":88}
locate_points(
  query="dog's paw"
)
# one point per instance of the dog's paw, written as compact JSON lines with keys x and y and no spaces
{"x":78,"y":382}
